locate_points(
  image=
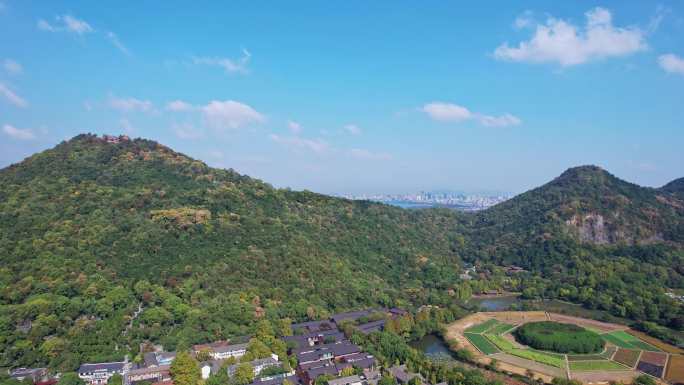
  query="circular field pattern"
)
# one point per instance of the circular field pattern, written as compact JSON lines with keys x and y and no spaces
{"x":559,"y":337}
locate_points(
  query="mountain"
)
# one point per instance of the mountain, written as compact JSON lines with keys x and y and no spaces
{"x":676,"y":187}
{"x":96,"y":227}
{"x":584,"y":204}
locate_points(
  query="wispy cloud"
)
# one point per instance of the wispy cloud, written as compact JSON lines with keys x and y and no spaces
{"x":671,"y":63}
{"x":294,"y":127}
{"x":67,"y":23}
{"x":449,"y":112}
{"x":352,"y":129}
{"x":562,"y":42}
{"x":114,"y":39}
{"x":130,"y":104}
{"x":179,"y":106}
{"x":230,"y":114}
{"x":11,"y":97}
{"x":12,"y":67}
{"x":20,"y":134}
{"x":238,"y":66}
{"x":318,"y":146}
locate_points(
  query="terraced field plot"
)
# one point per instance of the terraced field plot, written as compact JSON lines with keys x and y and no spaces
{"x":483,"y":327}
{"x":500,"y":342}
{"x":481,"y":343}
{"x":544,"y":358}
{"x":625,"y":340}
{"x":583,"y":366}
{"x":627,"y":357}
{"x":675,"y":369}
{"x":500,"y":329}
{"x":606,"y":354}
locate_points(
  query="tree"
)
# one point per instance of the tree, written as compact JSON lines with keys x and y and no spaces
{"x":203,"y":355}
{"x":258,"y":349}
{"x":116,"y":379}
{"x":644,"y":380}
{"x":70,"y":378}
{"x":244,"y":374}
{"x":387,"y":380}
{"x":348,"y":371}
{"x":185,"y":369}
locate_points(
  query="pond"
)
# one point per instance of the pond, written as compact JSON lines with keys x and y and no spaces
{"x":433,"y":346}
{"x":495,"y":303}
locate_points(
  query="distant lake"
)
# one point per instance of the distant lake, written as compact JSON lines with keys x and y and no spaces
{"x":495,"y":303}
{"x":410,"y":205}
{"x":433,"y":347}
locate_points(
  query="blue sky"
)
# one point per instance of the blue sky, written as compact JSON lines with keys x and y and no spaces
{"x":357,"y":97}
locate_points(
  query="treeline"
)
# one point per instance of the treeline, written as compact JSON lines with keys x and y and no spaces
{"x":559,"y":337}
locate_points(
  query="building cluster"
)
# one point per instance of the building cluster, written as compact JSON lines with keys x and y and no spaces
{"x":320,"y":348}
{"x":426,"y":198}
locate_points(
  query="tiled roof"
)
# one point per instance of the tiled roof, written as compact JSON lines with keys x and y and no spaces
{"x":108,"y":366}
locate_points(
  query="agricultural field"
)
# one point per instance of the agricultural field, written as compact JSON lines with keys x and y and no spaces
{"x":501,"y":328}
{"x":500,"y":342}
{"x":544,"y":358}
{"x":583,"y":366}
{"x":675,"y":370}
{"x":625,"y":340}
{"x":481,"y":343}
{"x":620,"y":354}
{"x":627,"y":357}
{"x":656,"y":342}
{"x":483,"y":327}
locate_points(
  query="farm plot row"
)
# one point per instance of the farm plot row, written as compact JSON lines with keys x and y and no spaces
{"x":605,"y":355}
{"x":625,"y":340}
{"x":556,"y":360}
{"x":627,"y":357}
{"x":583,"y":366}
{"x":481,"y":343}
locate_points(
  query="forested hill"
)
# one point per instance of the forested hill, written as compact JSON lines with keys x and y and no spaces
{"x":585,"y":204}
{"x":90,"y":230}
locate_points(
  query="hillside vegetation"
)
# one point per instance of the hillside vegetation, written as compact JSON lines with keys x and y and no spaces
{"x":91,"y":232}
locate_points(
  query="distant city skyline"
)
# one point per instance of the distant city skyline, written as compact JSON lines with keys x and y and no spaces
{"x":357,"y":97}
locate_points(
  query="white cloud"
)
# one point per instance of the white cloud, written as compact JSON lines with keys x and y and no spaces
{"x":446,"y":112}
{"x":499,"y":121}
{"x":562,"y":42}
{"x":353,"y":129}
{"x":16,"y":133}
{"x":126,"y":126}
{"x":87,"y":106}
{"x":130,"y":104}
{"x":111,"y":36}
{"x":45,"y":26}
{"x":229,"y":65}
{"x":294,"y":127}
{"x":179,"y":106}
{"x":187,"y":131}
{"x":66,"y":23}
{"x":449,"y":112}
{"x":75,"y":25}
{"x":230,"y":114}
{"x":12,"y":67}
{"x":524,"y":20}
{"x":671,"y":63}
{"x":12,"y":97}
{"x":318,"y":146}
{"x":362,"y":154}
